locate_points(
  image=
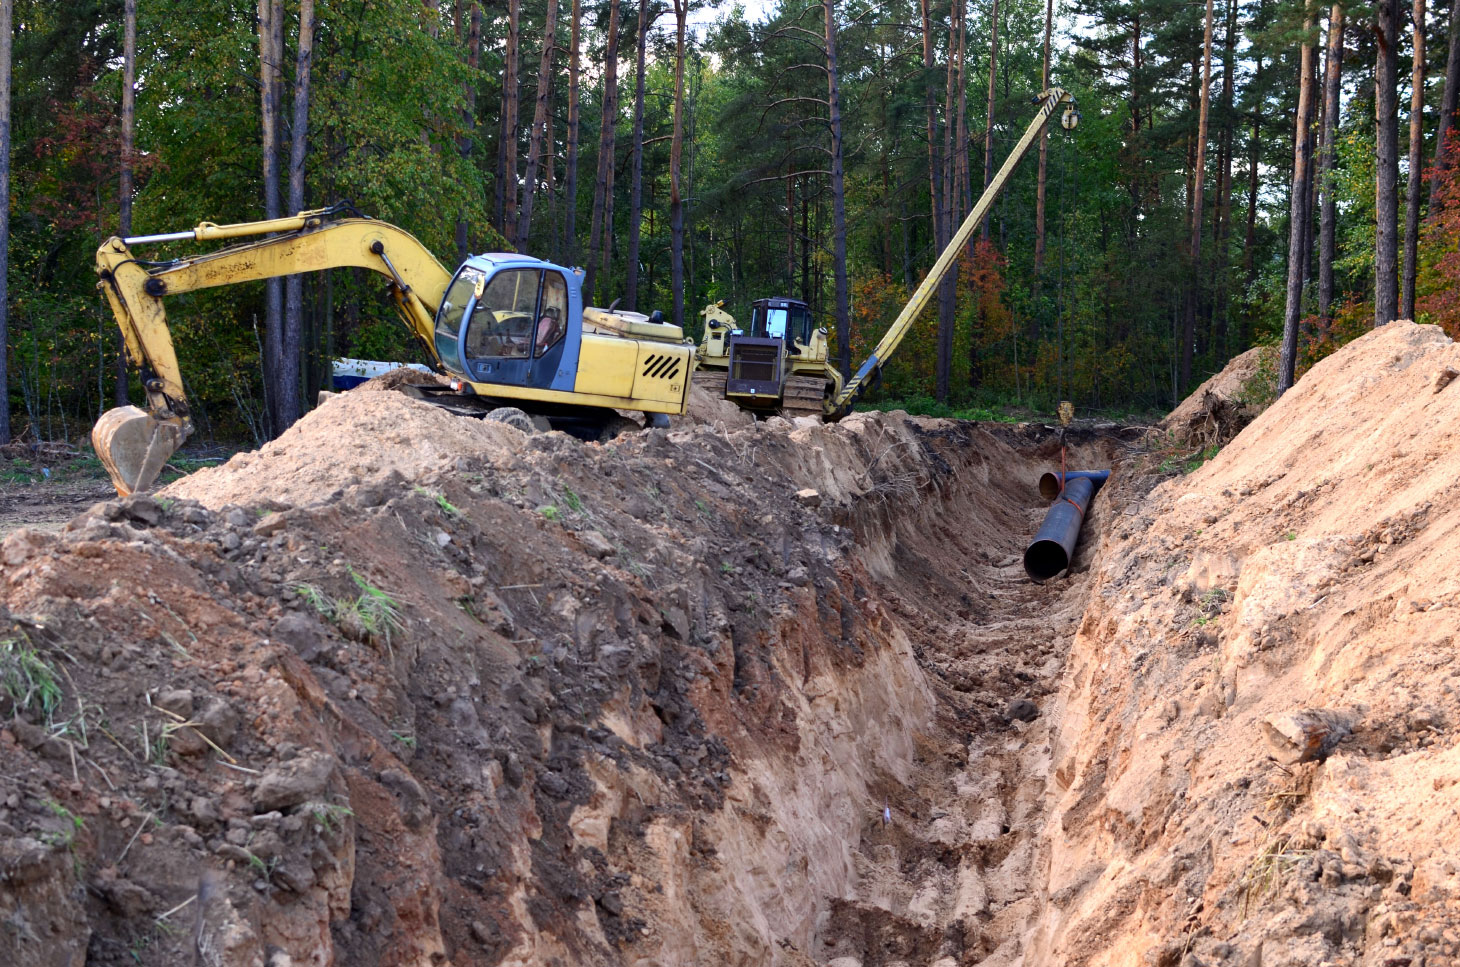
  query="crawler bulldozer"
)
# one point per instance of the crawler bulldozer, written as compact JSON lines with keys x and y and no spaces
{"x":509,"y":331}
{"x":780,"y":365}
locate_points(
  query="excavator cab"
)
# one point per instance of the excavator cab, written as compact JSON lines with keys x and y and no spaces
{"x":505,"y":321}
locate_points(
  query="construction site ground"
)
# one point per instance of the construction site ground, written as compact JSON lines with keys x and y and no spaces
{"x":403,"y":688}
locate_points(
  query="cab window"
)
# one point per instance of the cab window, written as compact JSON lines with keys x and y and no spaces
{"x":775,"y":322}
{"x":552,"y":314}
{"x":502,"y":320}
{"x":448,"y":318}
{"x":799,"y":327}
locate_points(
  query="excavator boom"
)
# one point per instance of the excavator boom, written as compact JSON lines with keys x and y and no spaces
{"x":1050,"y":100}
{"x":134,"y":444}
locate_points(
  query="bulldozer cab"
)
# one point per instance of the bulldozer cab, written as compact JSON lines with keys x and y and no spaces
{"x":510,"y":320}
{"x":786,"y":319}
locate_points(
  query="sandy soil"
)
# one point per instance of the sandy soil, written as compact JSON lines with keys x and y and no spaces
{"x":402,"y":689}
{"x":1309,"y":566}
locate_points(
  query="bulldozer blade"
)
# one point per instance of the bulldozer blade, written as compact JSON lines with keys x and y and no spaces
{"x":134,"y":446}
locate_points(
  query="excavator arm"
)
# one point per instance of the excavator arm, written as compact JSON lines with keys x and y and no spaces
{"x":134,"y":444}
{"x":1050,"y":100}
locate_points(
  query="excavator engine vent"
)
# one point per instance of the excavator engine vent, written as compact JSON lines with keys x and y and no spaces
{"x":660,"y":366}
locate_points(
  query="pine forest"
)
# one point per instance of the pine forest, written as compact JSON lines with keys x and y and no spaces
{"x":1245,"y":172}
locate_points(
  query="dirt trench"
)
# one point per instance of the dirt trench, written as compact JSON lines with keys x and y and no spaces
{"x":467,"y":696}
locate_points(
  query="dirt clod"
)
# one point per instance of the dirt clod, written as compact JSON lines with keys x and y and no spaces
{"x":293,"y":782}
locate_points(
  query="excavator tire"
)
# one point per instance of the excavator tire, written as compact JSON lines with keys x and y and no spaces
{"x":513,"y":417}
{"x":617,"y":425}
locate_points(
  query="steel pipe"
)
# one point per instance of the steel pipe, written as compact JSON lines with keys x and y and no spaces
{"x":1050,"y":483}
{"x":1054,"y":545}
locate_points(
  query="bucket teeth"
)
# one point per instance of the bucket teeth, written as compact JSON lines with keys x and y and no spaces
{"x":134,"y":446}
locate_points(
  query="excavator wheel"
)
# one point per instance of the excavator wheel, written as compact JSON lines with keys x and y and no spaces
{"x":134,"y":446}
{"x":513,"y":417}
{"x":616,"y":426}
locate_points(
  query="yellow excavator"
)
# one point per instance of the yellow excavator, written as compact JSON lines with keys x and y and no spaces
{"x":510,"y":331}
{"x":782,"y":364}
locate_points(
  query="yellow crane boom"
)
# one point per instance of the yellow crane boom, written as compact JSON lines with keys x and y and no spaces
{"x":1050,"y":101}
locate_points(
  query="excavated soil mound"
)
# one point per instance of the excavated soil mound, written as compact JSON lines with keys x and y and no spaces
{"x":408,"y":689}
{"x":353,"y":436}
{"x":1224,"y":404}
{"x":401,"y":376}
{"x":1258,"y":760}
{"x":705,"y":408}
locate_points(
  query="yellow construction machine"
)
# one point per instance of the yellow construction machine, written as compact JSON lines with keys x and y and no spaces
{"x":783,"y":365}
{"x":510,"y":331}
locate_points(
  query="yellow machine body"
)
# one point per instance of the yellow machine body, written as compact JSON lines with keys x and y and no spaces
{"x":783,"y":368}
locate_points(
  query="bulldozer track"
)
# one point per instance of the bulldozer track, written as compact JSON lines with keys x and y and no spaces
{"x":712,"y":382}
{"x":803,"y":396}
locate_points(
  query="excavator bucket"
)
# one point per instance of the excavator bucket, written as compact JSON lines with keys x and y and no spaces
{"x":134,"y":446}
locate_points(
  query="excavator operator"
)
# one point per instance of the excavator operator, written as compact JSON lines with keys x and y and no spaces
{"x":549,"y":324}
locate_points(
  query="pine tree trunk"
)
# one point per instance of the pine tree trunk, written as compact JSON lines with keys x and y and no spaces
{"x":507,"y":166}
{"x":538,"y":134}
{"x":605,"y":257}
{"x":1297,"y":217}
{"x":935,"y":193}
{"x":947,"y":286}
{"x":271,"y":16}
{"x":790,"y":227}
{"x":464,"y":145}
{"x":1386,"y":182}
{"x":291,"y":399}
{"x":1222,"y":234}
{"x":676,"y":150}
{"x":1449,"y":102}
{"x":601,"y":220}
{"x":1328,"y":208}
{"x":962,"y":174}
{"x":988,"y":132}
{"x":1416,"y":163}
{"x":806,"y":194}
{"x":838,"y":200}
{"x":1042,"y":185}
{"x":570,"y":178}
{"x":1198,"y":182}
{"x":1254,"y":151}
{"x":7,"y":28}
{"x":1310,"y":204}
{"x":126,"y":187}
{"x":636,"y":170}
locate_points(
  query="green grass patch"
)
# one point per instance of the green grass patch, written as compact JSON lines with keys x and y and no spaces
{"x":31,"y":682}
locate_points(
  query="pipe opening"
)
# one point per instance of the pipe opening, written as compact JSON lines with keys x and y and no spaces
{"x":1044,"y":559}
{"x":1049,"y":482}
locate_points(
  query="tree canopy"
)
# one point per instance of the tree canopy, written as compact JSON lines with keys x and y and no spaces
{"x":408,"y":103}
